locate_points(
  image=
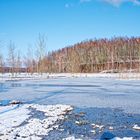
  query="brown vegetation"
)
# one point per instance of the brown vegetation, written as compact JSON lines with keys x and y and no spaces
{"x":110,"y":55}
{"x":102,"y":55}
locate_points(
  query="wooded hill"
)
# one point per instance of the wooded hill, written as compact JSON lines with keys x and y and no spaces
{"x":103,"y":55}
{"x":121,"y":54}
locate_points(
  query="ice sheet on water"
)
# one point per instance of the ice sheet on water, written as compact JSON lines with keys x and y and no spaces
{"x":98,"y":92}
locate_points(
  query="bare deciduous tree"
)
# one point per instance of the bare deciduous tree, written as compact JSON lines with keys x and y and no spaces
{"x":12,"y":57}
{"x":1,"y":64}
{"x":18,"y":62}
{"x":41,"y":53}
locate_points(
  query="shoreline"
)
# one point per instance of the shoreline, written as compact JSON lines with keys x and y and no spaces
{"x":38,"y":76}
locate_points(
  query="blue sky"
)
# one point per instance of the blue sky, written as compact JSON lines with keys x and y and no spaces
{"x":66,"y":22}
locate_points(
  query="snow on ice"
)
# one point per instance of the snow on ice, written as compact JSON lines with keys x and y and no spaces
{"x":17,"y":123}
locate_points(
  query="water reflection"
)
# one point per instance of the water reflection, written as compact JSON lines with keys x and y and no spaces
{"x":15,"y":84}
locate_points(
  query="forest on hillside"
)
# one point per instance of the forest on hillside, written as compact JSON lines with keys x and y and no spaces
{"x":120,"y":54}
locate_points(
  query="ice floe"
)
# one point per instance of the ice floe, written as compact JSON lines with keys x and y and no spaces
{"x":136,"y":127}
{"x":111,"y":128}
{"x":97,"y":126}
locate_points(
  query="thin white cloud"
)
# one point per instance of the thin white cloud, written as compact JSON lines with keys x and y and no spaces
{"x":115,"y":2}
{"x":137,"y":2}
{"x":119,"y":2}
{"x":82,"y":1}
{"x":68,"y":5}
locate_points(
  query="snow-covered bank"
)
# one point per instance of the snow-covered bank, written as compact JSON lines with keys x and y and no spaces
{"x":22,"y":76}
{"x":37,"y":76}
{"x":19,"y":123}
{"x":97,"y":75}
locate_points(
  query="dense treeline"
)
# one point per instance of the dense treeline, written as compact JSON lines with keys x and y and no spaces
{"x":116,"y":55}
{"x":120,"y":54}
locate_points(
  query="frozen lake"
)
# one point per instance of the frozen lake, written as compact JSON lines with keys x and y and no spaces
{"x":79,"y":92}
{"x":100,"y":105}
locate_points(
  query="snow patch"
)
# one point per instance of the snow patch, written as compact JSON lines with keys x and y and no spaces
{"x":12,"y":116}
{"x":11,"y":121}
{"x":97,"y":126}
{"x":125,"y":138}
{"x":53,"y":110}
{"x":136,"y":127}
{"x":71,"y":138}
{"x":38,"y":76}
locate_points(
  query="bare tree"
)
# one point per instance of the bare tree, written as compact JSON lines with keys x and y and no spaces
{"x":11,"y":57}
{"x":1,"y":64}
{"x":18,"y":62}
{"x":29,"y":60}
{"x":40,"y":53}
{"x":1,"y":59}
{"x":116,"y":55}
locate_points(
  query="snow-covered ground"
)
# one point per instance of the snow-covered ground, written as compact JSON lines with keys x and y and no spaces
{"x":33,"y":76}
{"x":18,"y":123}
